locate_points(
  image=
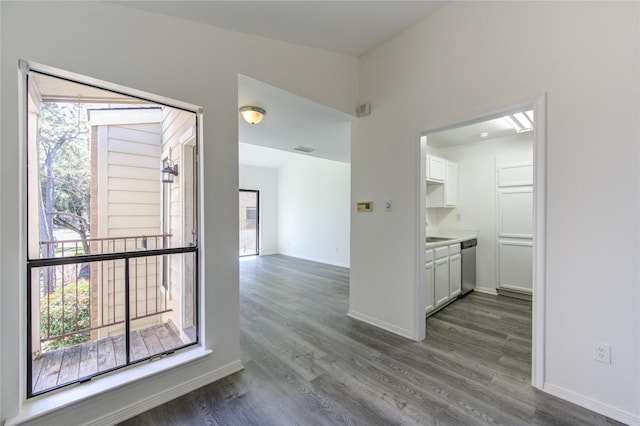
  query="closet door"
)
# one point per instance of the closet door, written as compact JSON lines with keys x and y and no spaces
{"x":515,"y":227}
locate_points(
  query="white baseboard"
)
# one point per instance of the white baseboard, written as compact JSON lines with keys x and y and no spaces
{"x":316,"y":259}
{"x":486,"y":290}
{"x":592,"y":404}
{"x":380,"y":324}
{"x":166,"y":395}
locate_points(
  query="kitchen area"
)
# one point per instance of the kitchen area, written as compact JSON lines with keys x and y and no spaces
{"x":479,"y":210}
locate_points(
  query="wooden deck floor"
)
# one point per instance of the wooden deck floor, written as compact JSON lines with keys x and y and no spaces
{"x":66,"y":365}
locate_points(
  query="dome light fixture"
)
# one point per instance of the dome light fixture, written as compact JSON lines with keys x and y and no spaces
{"x":252,"y":114}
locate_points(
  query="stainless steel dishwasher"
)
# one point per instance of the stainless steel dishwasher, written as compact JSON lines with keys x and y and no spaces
{"x":468,"y":251}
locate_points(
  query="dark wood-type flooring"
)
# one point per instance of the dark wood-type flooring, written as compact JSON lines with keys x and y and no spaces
{"x":61,"y":366}
{"x":307,"y":363}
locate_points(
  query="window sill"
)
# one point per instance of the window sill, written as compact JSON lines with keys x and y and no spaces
{"x":44,"y":404}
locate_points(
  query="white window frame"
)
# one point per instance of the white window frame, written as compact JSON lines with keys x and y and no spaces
{"x":32,"y":408}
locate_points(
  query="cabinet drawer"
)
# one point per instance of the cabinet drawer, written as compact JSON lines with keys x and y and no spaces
{"x":441,"y":252}
{"x":454,"y":248}
{"x":428,"y":256}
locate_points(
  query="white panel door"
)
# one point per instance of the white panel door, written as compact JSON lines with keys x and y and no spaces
{"x":520,"y":174}
{"x":515,"y":212}
{"x":516,"y":259}
{"x":515,"y":227}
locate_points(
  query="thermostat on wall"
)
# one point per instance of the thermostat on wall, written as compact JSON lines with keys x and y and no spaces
{"x":365,"y":206}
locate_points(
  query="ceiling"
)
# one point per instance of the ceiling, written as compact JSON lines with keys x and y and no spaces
{"x":54,"y":89}
{"x":293,"y":121}
{"x":494,"y":128}
{"x":349,"y":27}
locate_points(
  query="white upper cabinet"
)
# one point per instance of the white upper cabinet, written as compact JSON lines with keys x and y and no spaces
{"x":451,"y":185}
{"x":442,"y":182}
{"x":436,"y":169}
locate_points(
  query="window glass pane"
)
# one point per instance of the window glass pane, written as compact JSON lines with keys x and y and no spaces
{"x":107,"y":172}
{"x":162,"y":319}
{"x":77,"y":323}
{"x":110,"y":177}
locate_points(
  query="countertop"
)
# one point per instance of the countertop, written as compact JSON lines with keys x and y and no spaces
{"x":456,"y":235}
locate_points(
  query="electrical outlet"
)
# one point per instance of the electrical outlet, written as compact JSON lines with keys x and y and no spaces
{"x":602,"y":352}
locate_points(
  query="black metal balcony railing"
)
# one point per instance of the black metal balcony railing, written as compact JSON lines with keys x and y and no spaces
{"x":73,"y":269}
{"x":76,"y":295}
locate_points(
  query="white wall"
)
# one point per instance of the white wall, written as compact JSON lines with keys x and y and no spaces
{"x":265,"y":180}
{"x":131,"y":47}
{"x":313,"y":212}
{"x":313,"y":204}
{"x":477,"y":194}
{"x":472,"y":58}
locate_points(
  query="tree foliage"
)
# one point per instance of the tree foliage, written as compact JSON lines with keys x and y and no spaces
{"x":65,"y":173}
{"x":65,"y":162}
{"x":76,"y":315}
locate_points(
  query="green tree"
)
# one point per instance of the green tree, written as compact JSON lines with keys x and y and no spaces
{"x":63,"y":138}
{"x":76,"y":316}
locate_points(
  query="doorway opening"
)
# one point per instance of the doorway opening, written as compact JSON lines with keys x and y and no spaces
{"x":249,"y":219}
{"x":514,"y":181}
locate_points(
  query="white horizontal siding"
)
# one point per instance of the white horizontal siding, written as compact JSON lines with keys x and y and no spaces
{"x":126,"y":159}
{"x":127,"y":232}
{"x":140,"y":197}
{"x":126,"y":146}
{"x":126,"y":209}
{"x":126,"y":184}
{"x":136,"y":172}
{"x":133,"y":223}
{"x":147,"y":136}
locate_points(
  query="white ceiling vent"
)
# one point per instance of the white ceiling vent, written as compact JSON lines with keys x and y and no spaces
{"x":304,"y":149}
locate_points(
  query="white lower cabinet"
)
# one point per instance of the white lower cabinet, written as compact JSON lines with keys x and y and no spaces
{"x":455,"y":275}
{"x":443,"y":276}
{"x":428,"y":296}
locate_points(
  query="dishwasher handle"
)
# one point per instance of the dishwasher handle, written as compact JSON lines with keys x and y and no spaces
{"x":469,"y":243}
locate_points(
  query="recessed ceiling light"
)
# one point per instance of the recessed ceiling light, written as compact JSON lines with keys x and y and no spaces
{"x":484,"y":135}
{"x":530,"y":115}
{"x":523,"y":120}
{"x":511,"y":123}
{"x":520,"y":121}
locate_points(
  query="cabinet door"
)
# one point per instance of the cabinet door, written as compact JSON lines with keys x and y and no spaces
{"x":437,"y":168}
{"x":441,"y":280}
{"x":455,"y":275}
{"x":451,"y":185}
{"x":428,"y":296}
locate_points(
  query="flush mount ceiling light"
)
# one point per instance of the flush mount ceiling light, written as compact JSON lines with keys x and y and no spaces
{"x":252,"y":114}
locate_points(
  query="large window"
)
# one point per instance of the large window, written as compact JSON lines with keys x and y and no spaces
{"x":112,"y":266}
